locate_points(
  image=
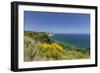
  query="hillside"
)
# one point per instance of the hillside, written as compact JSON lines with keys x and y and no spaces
{"x":40,"y":47}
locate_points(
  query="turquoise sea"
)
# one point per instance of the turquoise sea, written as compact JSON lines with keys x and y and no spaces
{"x":76,"y":40}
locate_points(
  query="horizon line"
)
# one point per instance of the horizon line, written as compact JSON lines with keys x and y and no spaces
{"x":57,"y":32}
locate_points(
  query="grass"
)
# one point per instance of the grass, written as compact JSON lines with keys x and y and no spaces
{"x":39,"y":47}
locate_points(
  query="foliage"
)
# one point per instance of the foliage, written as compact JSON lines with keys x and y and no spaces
{"x":38,"y":46}
{"x":53,"y":50}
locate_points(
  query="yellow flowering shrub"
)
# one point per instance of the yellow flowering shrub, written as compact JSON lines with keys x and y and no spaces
{"x":51,"y":50}
{"x":44,"y":46}
{"x":56,"y":46}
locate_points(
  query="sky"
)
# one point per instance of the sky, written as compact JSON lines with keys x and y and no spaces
{"x":56,"y":22}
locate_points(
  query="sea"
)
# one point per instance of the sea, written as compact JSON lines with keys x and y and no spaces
{"x":75,"y":40}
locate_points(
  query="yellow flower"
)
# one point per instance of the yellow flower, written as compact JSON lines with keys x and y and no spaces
{"x":44,"y":46}
{"x":53,"y":46}
{"x":58,"y":47}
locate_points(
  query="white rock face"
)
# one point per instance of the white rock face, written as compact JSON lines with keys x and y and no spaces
{"x":51,"y":34}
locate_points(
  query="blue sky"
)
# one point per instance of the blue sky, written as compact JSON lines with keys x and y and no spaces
{"x":56,"y":22}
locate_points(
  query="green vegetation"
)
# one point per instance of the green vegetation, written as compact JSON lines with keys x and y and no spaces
{"x":38,"y":46}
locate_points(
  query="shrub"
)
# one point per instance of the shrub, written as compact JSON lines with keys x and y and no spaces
{"x":53,"y":50}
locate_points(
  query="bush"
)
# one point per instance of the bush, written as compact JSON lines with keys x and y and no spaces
{"x":51,"y":51}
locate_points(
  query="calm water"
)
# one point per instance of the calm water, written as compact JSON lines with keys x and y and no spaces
{"x":76,"y":40}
